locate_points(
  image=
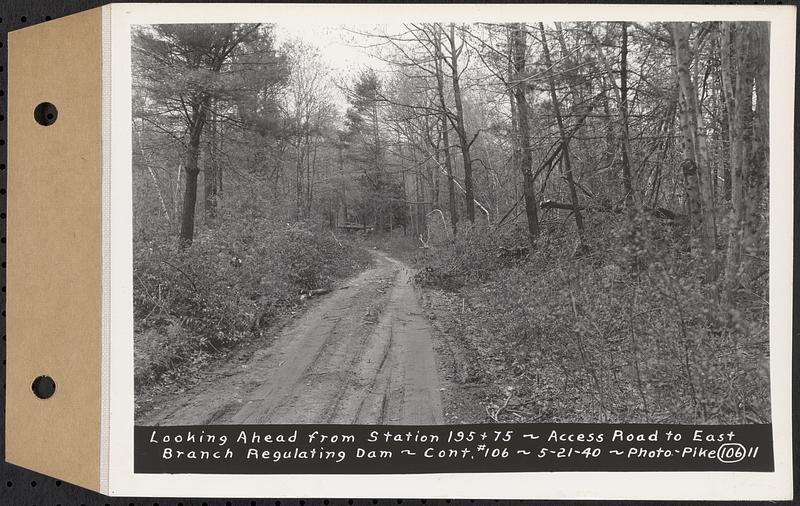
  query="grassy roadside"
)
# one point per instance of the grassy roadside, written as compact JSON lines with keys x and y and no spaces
{"x":612,"y":334}
{"x":194,"y":305}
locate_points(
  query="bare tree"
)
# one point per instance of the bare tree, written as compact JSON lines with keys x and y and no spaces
{"x":696,"y":168}
{"x":565,"y":157}
{"x":521,"y":127}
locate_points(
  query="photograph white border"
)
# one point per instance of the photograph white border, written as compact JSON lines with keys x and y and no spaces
{"x":118,"y":386}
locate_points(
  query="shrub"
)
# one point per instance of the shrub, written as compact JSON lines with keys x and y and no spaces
{"x":227,"y":286}
{"x":627,"y":331}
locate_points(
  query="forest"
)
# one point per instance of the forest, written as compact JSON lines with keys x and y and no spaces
{"x":584,"y":205}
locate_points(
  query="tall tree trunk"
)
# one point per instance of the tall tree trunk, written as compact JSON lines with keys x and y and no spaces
{"x":343,"y":186}
{"x":688,"y":168}
{"x":198,"y":120}
{"x":725,"y":127}
{"x":610,"y":143}
{"x":406,"y":208}
{"x":451,"y":187}
{"x":312,"y":178}
{"x":636,"y":232}
{"x":623,"y":107}
{"x":565,"y":158}
{"x":696,"y":152}
{"x":209,"y":169}
{"x":146,"y":163}
{"x":464,"y":142}
{"x":380,"y":187}
{"x":448,"y":164}
{"x":738,"y":72}
{"x":759,"y":177}
{"x":433,"y":172}
{"x":522,"y":136}
{"x":621,"y":93}
{"x":421,"y":211}
{"x":307,"y":196}
{"x":761,"y":127}
{"x":217,"y":164}
{"x":299,"y":178}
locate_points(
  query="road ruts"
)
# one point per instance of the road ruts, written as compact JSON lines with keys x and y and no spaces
{"x":363,"y":354}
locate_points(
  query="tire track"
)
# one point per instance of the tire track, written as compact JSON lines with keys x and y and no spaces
{"x":335,"y":364}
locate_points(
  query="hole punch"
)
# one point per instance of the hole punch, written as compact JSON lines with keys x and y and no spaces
{"x":45,"y":114}
{"x":43,"y":387}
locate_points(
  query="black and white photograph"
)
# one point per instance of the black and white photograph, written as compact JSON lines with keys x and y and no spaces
{"x":443,"y":223}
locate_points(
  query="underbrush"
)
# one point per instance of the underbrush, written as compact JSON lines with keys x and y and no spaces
{"x":228,"y":286}
{"x":607,"y":332}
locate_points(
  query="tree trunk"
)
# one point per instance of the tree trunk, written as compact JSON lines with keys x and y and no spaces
{"x":694,"y":143}
{"x":308,"y":167}
{"x":421,"y":211}
{"x":198,"y":120}
{"x":738,"y":72}
{"x":217,"y":165}
{"x":343,"y":191}
{"x":563,"y":135}
{"x":623,"y":107}
{"x":434,"y":173}
{"x":445,"y":136}
{"x":522,"y":135}
{"x":621,"y":93}
{"x":313,"y":178}
{"x":307,"y":196}
{"x":469,"y":192}
{"x":150,"y":171}
{"x":759,"y":177}
{"x":209,"y":170}
{"x":451,"y":188}
{"x":298,"y":179}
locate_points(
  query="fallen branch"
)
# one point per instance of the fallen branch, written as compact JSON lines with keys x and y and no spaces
{"x":307,"y":294}
{"x":658,"y":212}
{"x":516,"y":252}
{"x":194,"y":286}
{"x":503,"y":219}
{"x":337,"y":240}
{"x":494,"y":415}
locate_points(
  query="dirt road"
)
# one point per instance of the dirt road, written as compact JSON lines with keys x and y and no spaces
{"x":362,"y":354}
